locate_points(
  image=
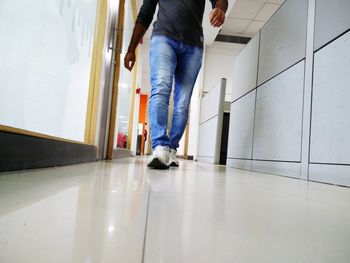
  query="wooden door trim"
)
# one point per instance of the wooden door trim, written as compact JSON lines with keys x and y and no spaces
{"x":116,"y":59}
{"x":95,"y":73}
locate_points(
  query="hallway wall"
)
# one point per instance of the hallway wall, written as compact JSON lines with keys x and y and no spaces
{"x":289,"y":95}
{"x":219,"y":59}
{"x":210,"y":124}
{"x":46,"y":54}
{"x":217,"y":63}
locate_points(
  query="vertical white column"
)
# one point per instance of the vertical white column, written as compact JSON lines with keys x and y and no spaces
{"x":196,"y":109}
{"x":305,"y":152}
{"x":141,"y":54}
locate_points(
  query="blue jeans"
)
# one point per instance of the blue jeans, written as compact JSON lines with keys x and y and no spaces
{"x":171,"y":60}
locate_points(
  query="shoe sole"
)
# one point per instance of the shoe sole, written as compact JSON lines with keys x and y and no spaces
{"x":157,"y":164}
{"x":173,"y":164}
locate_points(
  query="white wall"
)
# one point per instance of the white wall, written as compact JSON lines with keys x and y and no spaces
{"x":126,"y":80}
{"x":137,"y":103}
{"x":301,"y":110}
{"x":277,"y":117}
{"x":246,"y":69}
{"x":45,"y":51}
{"x":219,"y":64}
{"x":210,"y":124}
{"x":195,"y":112}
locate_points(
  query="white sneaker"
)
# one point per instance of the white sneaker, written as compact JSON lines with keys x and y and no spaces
{"x":173,"y":159}
{"x":160,"y":158}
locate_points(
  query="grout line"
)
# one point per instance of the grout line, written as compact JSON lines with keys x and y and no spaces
{"x":208,"y":119}
{"x":251,"y":20}
{"x":330,"y":41}
{"x":256,"y":98}
{"x":270,"y":79}
{"x":146,"y":224}
{"x":330,"y":164}
{"x":261,"y":8}
{"x":282,"y":72}
{"x":308,"y":90}
{"x":264,"y":160}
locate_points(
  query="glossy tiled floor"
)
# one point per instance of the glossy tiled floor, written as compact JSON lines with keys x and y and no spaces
{"x":122,"y":212}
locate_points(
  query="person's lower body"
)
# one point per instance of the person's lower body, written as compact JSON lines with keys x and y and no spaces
{"x":170,"y":61}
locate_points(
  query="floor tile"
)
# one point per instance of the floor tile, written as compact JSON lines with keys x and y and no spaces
{"x":97,"y":212}
{"x":84,"y":213}
{"x":248,"y":226}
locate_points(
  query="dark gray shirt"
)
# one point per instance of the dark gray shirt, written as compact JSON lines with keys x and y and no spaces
{"x":178,"y":19}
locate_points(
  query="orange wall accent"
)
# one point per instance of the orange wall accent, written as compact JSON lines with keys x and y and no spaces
{"x":143,"y":108}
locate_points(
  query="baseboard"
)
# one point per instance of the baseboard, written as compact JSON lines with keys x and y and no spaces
{"x":122,"y":153}
{"x":190,"y":157}
{"x":239,"y":164}
{"x":210,"y":160}
{"x":289,"y":169}
{"x":330,"y":174}
{"x":19,"y":152}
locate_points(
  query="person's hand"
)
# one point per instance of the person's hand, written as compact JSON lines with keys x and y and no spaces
{"x":129,"y":60}
{"x":217,"y":17}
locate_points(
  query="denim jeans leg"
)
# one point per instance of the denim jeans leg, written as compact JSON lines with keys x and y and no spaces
{"x":188,"y":66}
{"x":163,"y":61}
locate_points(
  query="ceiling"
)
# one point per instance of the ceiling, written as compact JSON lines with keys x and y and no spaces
{"x":248,"y":16}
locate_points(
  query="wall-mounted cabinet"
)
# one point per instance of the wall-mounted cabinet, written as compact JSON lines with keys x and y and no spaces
{"x":245,"y":69}
{"x":241,"y":127}
{"x":278,"y":117}
{"x":299,"y":112}
{"x":283,"y":39}
{"x":332,"y":19}
{"x":330,"y":140}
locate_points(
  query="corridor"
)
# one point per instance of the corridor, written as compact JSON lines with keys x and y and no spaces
{"x":120,"y":211}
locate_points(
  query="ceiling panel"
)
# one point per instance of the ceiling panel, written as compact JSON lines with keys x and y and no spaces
{"x":248,"y":16}
{"x":266,"y":12}
{"x":279,"y":2}
{"x":234,"y":26}
{"x":246,"y":9}
{"x":253,"y":28}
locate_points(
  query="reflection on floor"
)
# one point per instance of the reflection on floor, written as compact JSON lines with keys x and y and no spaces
{"x":122,"y":212}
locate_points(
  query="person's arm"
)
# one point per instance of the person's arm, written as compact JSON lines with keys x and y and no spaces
{"x":217,"y":15}
{"x":143,"y":21}
{"x":130,"y":57}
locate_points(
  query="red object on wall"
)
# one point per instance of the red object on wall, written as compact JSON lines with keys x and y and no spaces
{"x":143,"y":108}
{"x":122,"y":140}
